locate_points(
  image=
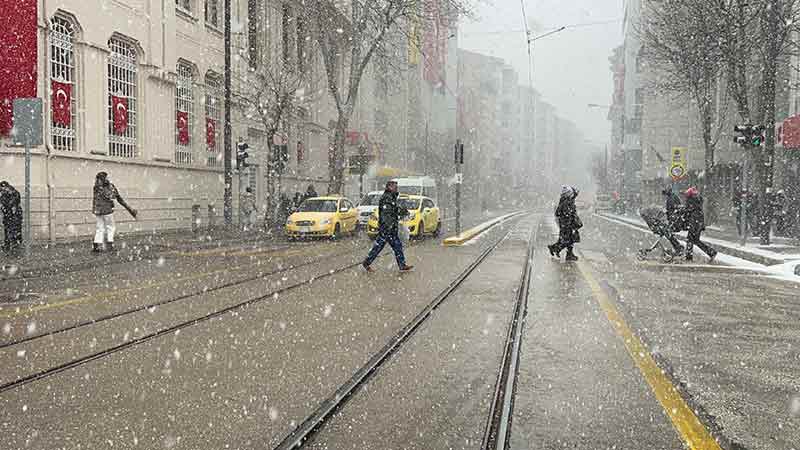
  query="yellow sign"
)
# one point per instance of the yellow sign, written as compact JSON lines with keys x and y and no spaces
{"x":678,"y":164}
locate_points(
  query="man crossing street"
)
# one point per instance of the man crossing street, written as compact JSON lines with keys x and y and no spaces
{"x":389,"y":214}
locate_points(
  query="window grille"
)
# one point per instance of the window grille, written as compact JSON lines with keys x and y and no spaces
{"x":214,"y":108}
{"x":62,"y":70}
{"x":122,"y":74}
{"x":184,"y":103}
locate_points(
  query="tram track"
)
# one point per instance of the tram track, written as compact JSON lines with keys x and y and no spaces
{"x":503,"y":402}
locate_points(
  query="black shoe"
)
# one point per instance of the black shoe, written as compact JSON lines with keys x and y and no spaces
{"x":712,"y":256}
{"x":367,"y":268}
{"x":95,"y":248}
{"x":689,"y":258}
{"x":406,"y":268}
{"x":571,"y":257}
{"x":552,"y":249}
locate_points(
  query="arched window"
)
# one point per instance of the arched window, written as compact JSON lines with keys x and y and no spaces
{"x":63,"y":88}
{"x":184,"y":107}
{"x":213,"y":120}
{"x":122,"y":107}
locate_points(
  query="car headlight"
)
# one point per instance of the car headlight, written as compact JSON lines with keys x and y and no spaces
{"x":289,"y":221}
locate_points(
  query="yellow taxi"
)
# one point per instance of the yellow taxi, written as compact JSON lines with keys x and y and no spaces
{"x":329,"y":216}
{"x":424,"y":217}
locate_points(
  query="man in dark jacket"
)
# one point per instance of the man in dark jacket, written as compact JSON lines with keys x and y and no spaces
{"x":310,"y":192}
{"x":389,"y":214}
{"x":695,"y":221}
{"x":104,"y":195}
{"x":568,"y":224}
{"x":12,"y":216}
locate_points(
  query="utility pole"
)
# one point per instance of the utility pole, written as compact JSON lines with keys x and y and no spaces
{"x":227,"y":199}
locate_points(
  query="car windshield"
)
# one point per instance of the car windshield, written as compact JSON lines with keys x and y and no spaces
{"x":370,"y":200}
{"x":409,"y":203}
{"x":317,"y":205}
{"x":410,"y":190}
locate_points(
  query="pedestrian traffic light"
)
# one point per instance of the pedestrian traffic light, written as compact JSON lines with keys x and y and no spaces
{"x":242,"y":155}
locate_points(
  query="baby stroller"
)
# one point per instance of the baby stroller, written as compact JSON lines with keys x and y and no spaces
{"x":656,"y":220}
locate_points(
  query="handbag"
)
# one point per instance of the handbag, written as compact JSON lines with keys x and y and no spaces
{"x":403,"y":232}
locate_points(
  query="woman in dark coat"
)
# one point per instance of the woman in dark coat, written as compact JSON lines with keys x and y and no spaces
{"x":568,"y":224}
{"x":12,"y":216}
{"x":695,"y":222}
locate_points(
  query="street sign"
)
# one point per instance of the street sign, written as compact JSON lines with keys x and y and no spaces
{"x":28,"y":123}
{"x":677,"y":168}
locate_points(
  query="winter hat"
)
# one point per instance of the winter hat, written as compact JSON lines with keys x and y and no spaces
{"x":692,"y":192}
{"x":566,"y":190}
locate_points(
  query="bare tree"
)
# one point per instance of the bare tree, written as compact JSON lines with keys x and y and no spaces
{"x":678,"y":39}
{"x":348,"y":34}
{"x":271,"y":90}
{"x":757,"y":35}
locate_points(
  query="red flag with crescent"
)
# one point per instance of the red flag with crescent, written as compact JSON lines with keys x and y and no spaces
{"x":211,"y":133}
{"x":119,"y":106}
{"x":62,"y":102}
{"x":182,"y":122}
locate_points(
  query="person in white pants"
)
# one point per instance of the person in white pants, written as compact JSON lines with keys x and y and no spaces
{"x":103,"y":197}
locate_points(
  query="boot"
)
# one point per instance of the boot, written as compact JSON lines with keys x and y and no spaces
{"x":95,"y":248}
{"x":571,"y":256}
{"x":554,"y":251}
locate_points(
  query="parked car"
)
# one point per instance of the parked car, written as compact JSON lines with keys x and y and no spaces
{"x":367,"y":205}
{"x":330,"y":216}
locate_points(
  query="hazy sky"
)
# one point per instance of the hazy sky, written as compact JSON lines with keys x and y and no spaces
{"x":571,"y":67}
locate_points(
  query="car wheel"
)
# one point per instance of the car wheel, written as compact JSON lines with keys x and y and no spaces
{"x":420,"y":230}
{"x":337,"y":231}
{"x":438,"y":231}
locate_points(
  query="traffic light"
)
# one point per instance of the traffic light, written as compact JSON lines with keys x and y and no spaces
{"x":758,"y":136}
{"x":749,"y":135}
{"x":241,"y":155}
{"x":459,"y":152}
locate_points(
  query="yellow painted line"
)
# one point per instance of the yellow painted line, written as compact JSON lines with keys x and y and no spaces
{"x":688,"y":425}
{"x":467,"y":235}
{"x":119,"y":292}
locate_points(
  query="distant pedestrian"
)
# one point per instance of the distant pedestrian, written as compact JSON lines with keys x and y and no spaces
{"x":298,"y":199}
{"x":248,"y":209}
{"x":310,"y":192}
{"x":672,"y":204}
{"x":285,"y":208}
{"x":389,"y":214}
{"x":779,"y":212}
{"x":695,"y":222}
{"x":104,"y":195}
{"x":11,"y":209}
{"x":752,"y":211}
{"x":568,"y":224}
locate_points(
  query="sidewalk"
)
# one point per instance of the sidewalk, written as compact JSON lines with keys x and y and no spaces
{"x":67,"y":256}
{"x":783,"y":252}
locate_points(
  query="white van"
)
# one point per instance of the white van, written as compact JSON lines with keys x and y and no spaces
{"x":425,"y":186}
{"x":365,"y":207}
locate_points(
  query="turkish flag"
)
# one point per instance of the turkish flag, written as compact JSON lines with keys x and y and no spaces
{"x":182,"y":122}
{"x":211,"y":133}
{"x":18,"y":57}
{"x":119,"y":106}
{"x":61,"y":95}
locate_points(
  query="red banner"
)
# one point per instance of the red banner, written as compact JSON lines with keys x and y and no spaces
{"x":211,"y":133}
{"x":18,"y":56}
{"x":182,"y":122}
{"x":61,"y":99}
{"x":119,"y":105}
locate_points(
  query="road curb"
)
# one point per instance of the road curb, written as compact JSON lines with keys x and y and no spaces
{"x":466,"y":236}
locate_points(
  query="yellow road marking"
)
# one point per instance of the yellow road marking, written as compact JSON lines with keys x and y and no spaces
{"x":688,"y":425}
{"x":119,"y":292}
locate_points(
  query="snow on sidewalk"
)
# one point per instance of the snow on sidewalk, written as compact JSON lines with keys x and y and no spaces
{"x":788,"y":270}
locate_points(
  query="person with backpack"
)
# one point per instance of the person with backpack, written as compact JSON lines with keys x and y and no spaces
{"x":568,"y":224}
{"x":104,"y":194}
